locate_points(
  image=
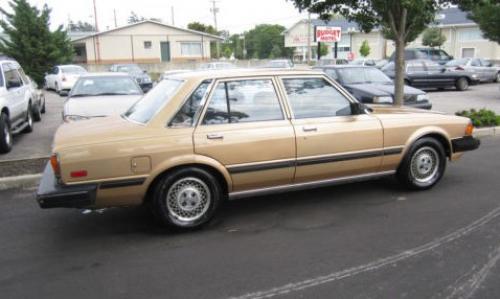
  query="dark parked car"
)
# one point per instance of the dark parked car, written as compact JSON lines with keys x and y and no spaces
{"x":429,"y":74}
{"x":370,"y":85}
{"x":141,"y":76}
{"x":437,"y":55}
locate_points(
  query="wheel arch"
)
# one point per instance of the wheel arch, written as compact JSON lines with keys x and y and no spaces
{"x":208,"y":164}
{"x":433,"y":132}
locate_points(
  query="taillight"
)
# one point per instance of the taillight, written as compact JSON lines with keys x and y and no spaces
{"x":469,"y":129}
{"x":54,"y":162}
{"x":78,"y":173}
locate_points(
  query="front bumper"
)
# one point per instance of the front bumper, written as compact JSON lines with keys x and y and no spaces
{"x":51,"y":194}
{"x":466,"y":143}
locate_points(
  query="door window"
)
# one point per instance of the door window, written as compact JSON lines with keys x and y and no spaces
{"x":243,"y":101}
{"x":186,"y":116}
{"x":475,"y":62}
{"x":415,"y":66}
{"x":13,"y":79}
{"x":315,"y":97}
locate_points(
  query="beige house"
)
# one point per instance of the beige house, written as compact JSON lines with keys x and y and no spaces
{"x":463,"y":38}
{"x":144,"y":42}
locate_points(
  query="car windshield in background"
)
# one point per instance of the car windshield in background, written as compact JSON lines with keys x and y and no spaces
{"x":109,"y":85}
{"x":357,"y":75}
{"x":457,"y":62}
{"x":73,"y":70}
{"x":152,"y":102}
{"x":129,"y":69}
{"x":278,"y":64}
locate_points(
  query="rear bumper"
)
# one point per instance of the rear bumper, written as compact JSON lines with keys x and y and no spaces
{"x":466,"y":143}
{"x":51,"y":194}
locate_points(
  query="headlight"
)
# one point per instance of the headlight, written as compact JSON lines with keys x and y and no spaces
{"x":382,"y":100}
{"x":422,"y":97}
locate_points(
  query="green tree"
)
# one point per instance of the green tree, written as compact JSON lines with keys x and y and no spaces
{"x":134,"y":18}
{"x":261,"y":40}
{"x":433,"y":38}
{"x":364,"y":50}
{"x":81,"y":26}
{"x":323,"y":49}
{"x":30,"y":40}
{"x":400,"y":20}
{"x":486,"y":13}
{"x":197,"y":26}
{"x":275,"y":52}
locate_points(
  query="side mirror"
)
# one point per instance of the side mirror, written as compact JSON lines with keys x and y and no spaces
{"x":145,"y":72}
{"x":358,"y":108}
{"x":13,"y":84}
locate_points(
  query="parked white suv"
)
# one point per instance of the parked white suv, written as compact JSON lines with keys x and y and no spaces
{"x":15,"y":103}
{"x":61,"y":78}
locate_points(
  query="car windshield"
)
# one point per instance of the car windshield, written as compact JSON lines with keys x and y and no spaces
{"x":153,"y":101}
{"x":358,"y":75}
{"x":457,"y":62}
{"x":278,"y":64}
{"x":109,"y":85}
{"x":129,"y":68}
{"x":73,"y":70}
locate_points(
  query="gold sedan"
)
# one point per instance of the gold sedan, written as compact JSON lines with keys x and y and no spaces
{"x":198,"y":138}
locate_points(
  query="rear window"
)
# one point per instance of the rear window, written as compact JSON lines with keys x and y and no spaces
{"x":73,"y":70}
{"x":153,"y":101}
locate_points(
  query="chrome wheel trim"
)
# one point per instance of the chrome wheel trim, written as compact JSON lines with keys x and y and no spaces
{"x":188,"y":199}
{"x":498,"y":77}
{"x":30,"y":118}
{"x":424,"y":165}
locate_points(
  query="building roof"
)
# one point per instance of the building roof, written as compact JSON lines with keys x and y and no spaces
{"x":446,"y":17}
{"x":152,"y":22}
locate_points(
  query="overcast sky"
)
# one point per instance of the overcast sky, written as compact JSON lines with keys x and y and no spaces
{"x":234,"y":15}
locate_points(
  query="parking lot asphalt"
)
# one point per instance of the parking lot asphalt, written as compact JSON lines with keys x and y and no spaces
{"x":363,"y":240}
{"x":477,"y":96}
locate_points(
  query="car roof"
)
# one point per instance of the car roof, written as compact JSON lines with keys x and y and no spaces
{"x":234,"y":73}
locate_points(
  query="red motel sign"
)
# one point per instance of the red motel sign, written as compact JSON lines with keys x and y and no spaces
{"x":326,"y":34}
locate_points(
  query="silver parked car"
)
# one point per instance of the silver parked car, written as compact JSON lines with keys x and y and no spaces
{"x":101,"y":94}
{"x":217,"y":66}
{"x":485,"y":70}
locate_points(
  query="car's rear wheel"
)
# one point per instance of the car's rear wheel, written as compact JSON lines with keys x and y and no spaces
{"x":462,"y":84}
{"x":424,"y":164}
{"x":186,"y":198}
{"x":5,"y":134}
{"x":29,"y":120}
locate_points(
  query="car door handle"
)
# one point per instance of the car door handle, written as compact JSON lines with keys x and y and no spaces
{"x":309,"y":129}
{"x":215,"y":136}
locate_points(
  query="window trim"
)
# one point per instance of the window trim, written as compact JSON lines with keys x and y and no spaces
{"x":150,"y":44}
{"x":202,"y":105}
{"x":276,"y":87}
{"x":350,"y":98}
{"x":191,"y":42}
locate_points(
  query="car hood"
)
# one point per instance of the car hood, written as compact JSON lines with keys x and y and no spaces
{"x":378,"y":89}
{"x":100,"y":130}
{"x":99,"y":105}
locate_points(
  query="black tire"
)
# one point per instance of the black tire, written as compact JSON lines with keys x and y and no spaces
{"x":420,"y":154}
{"x":36,"y":112}
{"x":5,"y":134}
{"x":187,"y":198}
{"x":29,"y":120}
{"x":43,"y":106}
{"x":462,"y":84}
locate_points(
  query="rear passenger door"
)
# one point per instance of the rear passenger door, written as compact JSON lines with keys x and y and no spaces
{"x":15,"y":92}
{"x":331,"y":141}
{"x":245,"y":128}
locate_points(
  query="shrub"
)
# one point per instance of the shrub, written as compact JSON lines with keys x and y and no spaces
{"x":481,"y":118}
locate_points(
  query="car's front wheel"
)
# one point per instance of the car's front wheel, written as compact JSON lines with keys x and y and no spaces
{"x":462,"y":84}
{"x":29,"y":120}
{"x":186,"y":198}
{"x":5,"y":134}
{"x":37,"y":112}
{"x":424,"y":164}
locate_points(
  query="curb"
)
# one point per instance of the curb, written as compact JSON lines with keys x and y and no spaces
{"x":31,"y":180}
{"x":21,"y":181}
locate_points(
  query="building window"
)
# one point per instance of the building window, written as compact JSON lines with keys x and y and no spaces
{"x":470,"y":34}
{"x":191,"y":49}
{"x":147,"y":44}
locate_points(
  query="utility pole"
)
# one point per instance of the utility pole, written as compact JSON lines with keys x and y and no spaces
{"x":98,"y":58}
{"x":114,"y":15}
{"x":215,"y":10}
{"x":309,"y":49}
{"x":172,"y":14}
